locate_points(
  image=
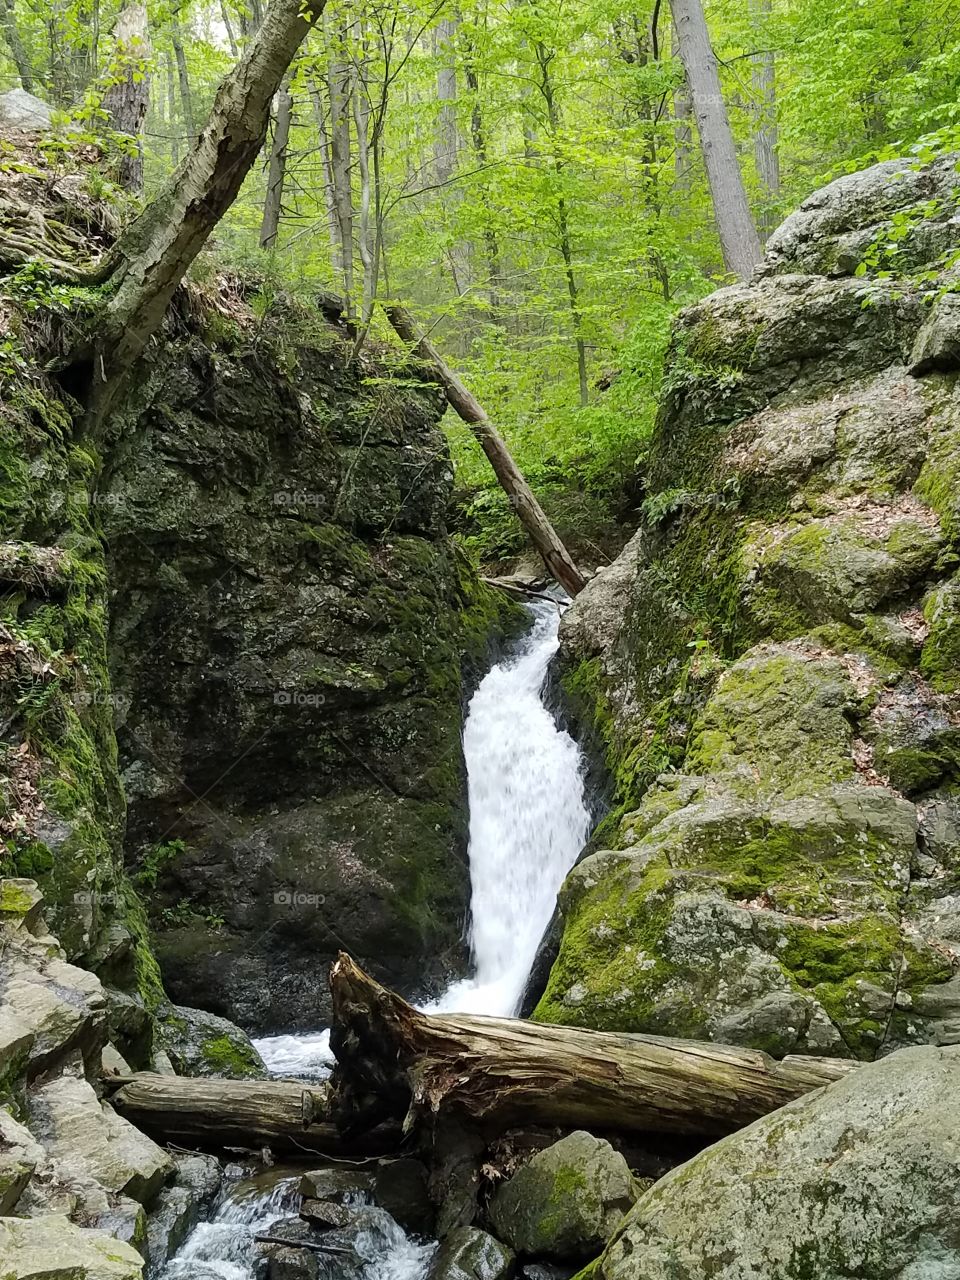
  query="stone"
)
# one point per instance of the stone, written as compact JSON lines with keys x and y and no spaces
{"x":468,"y":1253}
{"x":80,"y":1132}
{"x":21,"y":110}
{"x":938,"y":342}
{"x":339,"y":1186}
{"x":60,"y":1007}
{"x":401,"y":1188}
{"x":856,"y":1179}
{"x":20,"y":1155}
{"x":21,"y":904}
{"x":565,"y":1203}
{"x":201,"y":1044}
{"x":325,"y":1213}
{"x":180,"y":1206}
{"x":52,"y":1248}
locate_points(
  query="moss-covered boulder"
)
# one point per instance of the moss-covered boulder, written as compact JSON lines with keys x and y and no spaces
{"x":201,"y":1044}
{"x":566,"y":1201}
{"x":771,"y":667}
{"x":858,"y":1179}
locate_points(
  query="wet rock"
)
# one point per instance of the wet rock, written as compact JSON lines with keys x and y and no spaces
{"x":471,"y":1254}
{"x":565,"y":1203}
{"x":401,"y":1187}
{"x":857,"y":1179}
{"x":54,"y":1249}
{"x":325,"y":1213}
{"x":339,"y":1186}
{"x":201,"y":1044}
{"x":180,"y":1206}
{"x":81,"y":1133}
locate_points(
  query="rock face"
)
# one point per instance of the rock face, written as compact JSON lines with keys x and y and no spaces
{"x":292,"y":634}
{"x":565,"y":1203}
{"x":857,"y":1179}
{"x":773,"y":663}
{"x":57,"y":1250}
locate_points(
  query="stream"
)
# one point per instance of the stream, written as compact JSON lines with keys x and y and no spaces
{"x":528,"y":822}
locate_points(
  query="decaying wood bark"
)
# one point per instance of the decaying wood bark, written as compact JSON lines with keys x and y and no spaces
{"x":529,"y":512}
{"x":395,"y":1062}
{"x":239,"y":1113}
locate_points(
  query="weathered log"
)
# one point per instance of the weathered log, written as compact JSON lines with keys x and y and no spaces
{"x":495,"y":1073}
{"x":214,"y":1114}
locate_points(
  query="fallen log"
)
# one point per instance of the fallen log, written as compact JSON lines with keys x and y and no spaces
{"x":214,"y":1114}
{"x":394,"y":1062}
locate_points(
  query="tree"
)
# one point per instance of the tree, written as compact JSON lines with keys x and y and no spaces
{"x":128,"y":89}
{"x":738,"y":233}
{"x":273,"y":203}
{"x":153,"y":255}
{"x":765,"y":137}
{"x":15,"y":44}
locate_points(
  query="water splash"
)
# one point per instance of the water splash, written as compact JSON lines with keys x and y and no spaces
{"x":223,"y":1248}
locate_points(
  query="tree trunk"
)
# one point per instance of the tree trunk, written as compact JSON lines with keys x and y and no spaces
{"x":186,"y":98}
{"x":738,"y":234}
{"x":17,"y":51}
{"x":683,"y":114}
{"x":237,"y":1113}
{"x":765,"y":138}
{"x":228,"y":25}
{"x":172,"y":113}
{"x":128,"y":95}
{"x":329,"y":182}
{"x":529,"y":512}
{"x":478,"y":135}
{"x":273,"y":204}
{"x":341,"y":91}
{"x":395,"y":1062}
{"x":447,"y":135}
{"x":155,"y":252}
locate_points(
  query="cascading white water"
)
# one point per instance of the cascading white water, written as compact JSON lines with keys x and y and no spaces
{"x":528,"y":821}
{"x":223,"y":1248}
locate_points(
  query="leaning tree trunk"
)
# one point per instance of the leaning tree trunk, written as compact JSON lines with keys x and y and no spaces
{"x":153,"y":255}
{"x":531,"y":515}
{"x":738,"y":234}
{"x":128,"y":96}
{"x":276,"y":176}
{"x":394,"y":1062}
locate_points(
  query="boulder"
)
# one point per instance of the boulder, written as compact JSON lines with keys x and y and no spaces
{"x":21,"y":110}
{"x":52,"y":1248}
{"x":859,"y":1179}
{"x":471,"y":1254}
{"x":201,"y":1044}
{"x":565,"y":1203}
{"x":938,"y":342}
{"x":401,"y":1188}
{"x":81,"y":1133}
{"x":19,"y":1156}
{"x":178,"y":1207}
{"x":339,"y":1186}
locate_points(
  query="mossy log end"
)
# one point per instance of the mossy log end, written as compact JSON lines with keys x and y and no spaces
{"x":495,"y":1073}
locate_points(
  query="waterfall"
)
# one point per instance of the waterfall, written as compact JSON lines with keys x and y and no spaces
{"x":528,"y":821}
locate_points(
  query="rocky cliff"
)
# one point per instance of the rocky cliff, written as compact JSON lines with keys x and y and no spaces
{"x":249,"y":585}
{"x":772,"y":664}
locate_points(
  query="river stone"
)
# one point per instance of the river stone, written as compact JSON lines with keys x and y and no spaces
{"x":565,"y":1203}
{"x":82,"y":1133}
{"x":858,"y":1179}
{"x":401,"y":1188}
{"x":471,"y":1254}
{"x":53,"y":1248}
{"x":203,"y":1044}
{"x":339,"y":1186}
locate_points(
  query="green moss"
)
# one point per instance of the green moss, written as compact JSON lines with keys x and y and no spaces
{"x":940,"y":657}
{"x":227,"y":1057}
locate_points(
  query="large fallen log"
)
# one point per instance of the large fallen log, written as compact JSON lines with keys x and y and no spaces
{"x":394,"y":1062}
{"x":251,"y":1114}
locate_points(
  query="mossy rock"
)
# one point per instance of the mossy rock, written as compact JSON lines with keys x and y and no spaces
{"x":202,"y":1044}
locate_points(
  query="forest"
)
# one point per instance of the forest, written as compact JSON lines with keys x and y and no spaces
{"x":524,"y":177}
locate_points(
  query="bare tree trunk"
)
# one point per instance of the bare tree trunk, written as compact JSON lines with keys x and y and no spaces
{"x":529,"y":512}
{"x":128,"y":95}
{"x":341,"y":90}
{"x":273,"y":204}
{"x":683,"y":114}
{"x":394,"y":1062}
{"x":329,"y":184}
{"x":765,"y":138}
{"x":186,"y":98}
{"x":231,"y":38}
{"x":738,"y":234}
{"x":172,"y":112}
{"x":155,"y":252}
{"x":447,"y":142}
{"x":566,"y":250}
{"x":479,"y":138}
{"x":17,"y":51}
